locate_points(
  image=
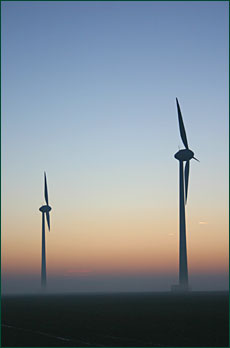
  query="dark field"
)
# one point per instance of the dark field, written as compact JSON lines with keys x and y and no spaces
{"x":116,"y":320}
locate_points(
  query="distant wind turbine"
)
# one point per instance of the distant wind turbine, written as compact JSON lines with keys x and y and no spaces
{"x":184,"y":155}
{"x":45,"y":209}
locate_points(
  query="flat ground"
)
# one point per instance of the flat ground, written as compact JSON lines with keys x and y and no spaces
{"x":116,"y":320}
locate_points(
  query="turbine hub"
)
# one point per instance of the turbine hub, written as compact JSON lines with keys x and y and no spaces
{"x":45,"y":208}
{"x":184,"y":155}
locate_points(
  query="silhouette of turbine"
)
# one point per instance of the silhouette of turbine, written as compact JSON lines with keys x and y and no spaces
{"x":184,"y":155}
{"x":45,"y":209}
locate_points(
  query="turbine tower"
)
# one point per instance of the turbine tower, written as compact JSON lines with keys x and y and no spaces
{"x":45,"y":209}
{"x":184,"y":155}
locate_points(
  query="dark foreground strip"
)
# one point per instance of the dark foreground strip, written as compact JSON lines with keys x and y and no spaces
{"x":86,"y":343}
{"x":53,"y":336}
{"x":140,"y":343}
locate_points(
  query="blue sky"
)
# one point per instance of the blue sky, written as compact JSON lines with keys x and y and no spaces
{"x":88,"y":94}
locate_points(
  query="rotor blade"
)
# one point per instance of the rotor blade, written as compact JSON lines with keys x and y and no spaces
{"x":48,"y":219}
{"x":181,"y":126}
{"x":196,"y":159}
{"x":186,"y":177}
{"x":46,"y":190}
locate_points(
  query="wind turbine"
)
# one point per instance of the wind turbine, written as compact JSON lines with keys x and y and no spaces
{"x":45,"y":209}
{"x":184,"y":155}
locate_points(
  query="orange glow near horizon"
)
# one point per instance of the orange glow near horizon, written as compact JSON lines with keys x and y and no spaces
{"x":111,"y":246}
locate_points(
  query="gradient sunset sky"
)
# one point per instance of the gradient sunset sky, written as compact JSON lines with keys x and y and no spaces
{"x":88,"y":95}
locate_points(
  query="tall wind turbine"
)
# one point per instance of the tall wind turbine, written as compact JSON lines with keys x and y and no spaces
{"x":45,"y":209}
{"x":184,"y":155}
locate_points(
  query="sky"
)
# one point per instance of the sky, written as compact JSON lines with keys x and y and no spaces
{"x":88,"y":95}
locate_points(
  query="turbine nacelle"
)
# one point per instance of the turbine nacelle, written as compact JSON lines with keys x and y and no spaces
{"x":184,"y":155}
{"x":45,"y":209}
